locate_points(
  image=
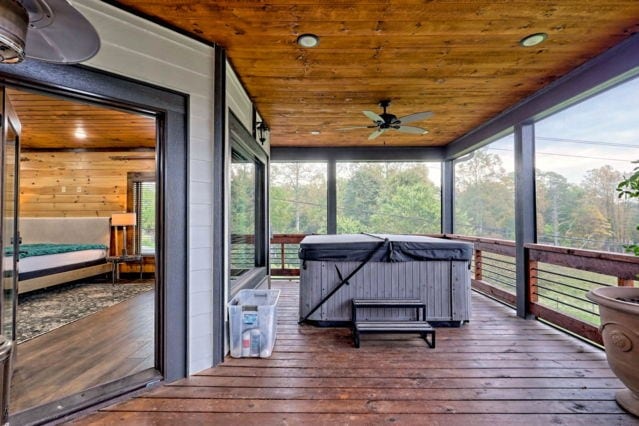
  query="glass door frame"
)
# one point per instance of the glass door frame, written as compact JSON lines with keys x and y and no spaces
{"x":10,"y":120}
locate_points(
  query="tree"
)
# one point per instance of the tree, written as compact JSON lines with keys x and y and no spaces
{"x":600,"y":187}
{"x":629,"y":188}
{"x":360,"y":194}
{"x":555,"y":200}
{"x":409,"y":202}
{"x":485,"y":195}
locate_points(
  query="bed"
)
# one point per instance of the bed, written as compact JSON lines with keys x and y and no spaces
{"x":434,"y":270}
{"x":59,"y":250}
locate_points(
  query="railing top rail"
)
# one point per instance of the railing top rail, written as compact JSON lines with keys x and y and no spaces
{"x":593,"y":254}
{"x":495,"y":241}
{"x":287,"y":238}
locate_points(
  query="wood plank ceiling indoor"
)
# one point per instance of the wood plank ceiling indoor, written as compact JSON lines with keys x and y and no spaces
{"x":51,"y":123}
{"x":460,"y":59}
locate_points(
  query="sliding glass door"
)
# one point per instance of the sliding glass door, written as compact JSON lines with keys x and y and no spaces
{"x":10,"y":235}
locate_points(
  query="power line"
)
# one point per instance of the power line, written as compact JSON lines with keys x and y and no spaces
{"x":566,"y":155}
{"x":587,"y":142}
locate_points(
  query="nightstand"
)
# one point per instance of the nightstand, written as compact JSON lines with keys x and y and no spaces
{"x":117,"y":260}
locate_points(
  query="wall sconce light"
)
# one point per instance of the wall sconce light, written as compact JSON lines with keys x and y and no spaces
{"x":262,"y":128}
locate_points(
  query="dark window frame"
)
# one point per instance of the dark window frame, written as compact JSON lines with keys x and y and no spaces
{"x":241,"y":141}
{"x":132,"y":179}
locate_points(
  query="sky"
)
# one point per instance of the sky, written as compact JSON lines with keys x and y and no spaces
{"x":602,"y":130}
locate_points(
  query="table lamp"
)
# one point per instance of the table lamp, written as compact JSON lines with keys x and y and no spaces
{"x":122,"y":220}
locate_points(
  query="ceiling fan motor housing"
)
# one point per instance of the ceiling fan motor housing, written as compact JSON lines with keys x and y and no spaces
{"x":14,"y":21}
{"x":389,"y":120}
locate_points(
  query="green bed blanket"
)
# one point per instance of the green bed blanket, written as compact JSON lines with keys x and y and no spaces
{"x":29,"y":250}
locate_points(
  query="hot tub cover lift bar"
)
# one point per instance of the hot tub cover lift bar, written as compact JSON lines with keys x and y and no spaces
{"x":382,"y":245}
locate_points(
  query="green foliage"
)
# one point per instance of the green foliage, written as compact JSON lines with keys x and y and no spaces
{"x":484,"y":197}
{"x":629,"y":188}
{"x":387,"y":198}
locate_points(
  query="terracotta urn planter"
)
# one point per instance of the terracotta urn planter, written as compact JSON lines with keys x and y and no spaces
{"x":619,"y":310}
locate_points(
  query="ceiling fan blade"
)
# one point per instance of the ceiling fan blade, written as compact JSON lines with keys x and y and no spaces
{"x":375,"y":134}
{"x":412,"y":130}
{"x":59,"y":33}
{"x":355,"y":127}
{"x":418,"y":116}
{"x":373,"y":116}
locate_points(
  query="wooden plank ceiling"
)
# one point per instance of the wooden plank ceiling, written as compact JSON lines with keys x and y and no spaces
{"x":51,"y":123}
{"x":459,"y":59}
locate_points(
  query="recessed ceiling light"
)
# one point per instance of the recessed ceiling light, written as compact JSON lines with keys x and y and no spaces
{"x":533,"y":39}
{"x":80,"y":134}
{"x":316,"y":132}
{"x":308,"y":40}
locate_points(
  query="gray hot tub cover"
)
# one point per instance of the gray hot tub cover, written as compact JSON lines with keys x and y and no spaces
{"x":398,"y":248}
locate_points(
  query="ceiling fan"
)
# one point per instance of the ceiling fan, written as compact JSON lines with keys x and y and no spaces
{"x":48,"y":30}
{"x":386,"y":121}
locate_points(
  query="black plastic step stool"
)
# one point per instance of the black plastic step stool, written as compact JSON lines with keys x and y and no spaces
{"x":392,"y":326}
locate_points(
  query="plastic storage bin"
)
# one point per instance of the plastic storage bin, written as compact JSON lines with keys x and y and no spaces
{"x":252,"y":322}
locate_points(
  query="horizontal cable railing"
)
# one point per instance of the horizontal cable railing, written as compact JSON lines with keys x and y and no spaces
{"x":493,"y":267}
{"x":558,"y":277}
{"x":283,"y":251}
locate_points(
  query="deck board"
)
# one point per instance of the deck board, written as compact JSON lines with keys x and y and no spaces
{"x":498,"y":369}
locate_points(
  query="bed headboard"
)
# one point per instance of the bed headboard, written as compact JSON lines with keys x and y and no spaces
{"x":81,"y":230}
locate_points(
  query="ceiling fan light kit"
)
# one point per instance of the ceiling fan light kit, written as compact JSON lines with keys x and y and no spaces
{"x":47,"y":30}
{"x":386,"y":121}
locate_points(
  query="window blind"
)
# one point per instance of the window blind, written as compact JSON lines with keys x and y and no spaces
{"x":144,"y":205}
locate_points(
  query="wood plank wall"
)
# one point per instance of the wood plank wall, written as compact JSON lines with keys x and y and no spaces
{"x":77,"y":184}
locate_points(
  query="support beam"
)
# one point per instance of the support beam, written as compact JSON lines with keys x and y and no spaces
{"x":219,"y":185}
{"x":525,"y":208}
{"x":331,"y":197}
{"x":362,"y":153}
{"x":448,"y":196}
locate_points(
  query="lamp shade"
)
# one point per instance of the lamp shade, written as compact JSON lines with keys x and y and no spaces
{"x":123,"y":219}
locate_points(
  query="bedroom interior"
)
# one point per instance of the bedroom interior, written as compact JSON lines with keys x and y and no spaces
{"x":82,"y":166}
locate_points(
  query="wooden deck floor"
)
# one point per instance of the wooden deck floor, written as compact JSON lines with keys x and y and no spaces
{"x":498,"y":369}
{"x":113,"y":343}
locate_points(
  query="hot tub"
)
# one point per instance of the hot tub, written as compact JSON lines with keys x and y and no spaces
{"x":434,"y":270}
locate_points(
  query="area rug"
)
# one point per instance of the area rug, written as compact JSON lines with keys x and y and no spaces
{"x":45,"y":310}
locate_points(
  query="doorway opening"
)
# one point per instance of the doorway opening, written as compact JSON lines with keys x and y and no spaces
{"x":86,"y":315}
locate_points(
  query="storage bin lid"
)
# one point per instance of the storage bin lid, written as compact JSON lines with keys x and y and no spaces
{"x":382,"y":248}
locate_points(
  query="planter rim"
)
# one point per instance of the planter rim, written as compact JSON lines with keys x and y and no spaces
{"x":607,"y":296}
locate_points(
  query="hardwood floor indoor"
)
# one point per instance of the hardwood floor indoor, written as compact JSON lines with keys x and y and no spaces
{"x":108,"y":345}
{"x":498,"y":369}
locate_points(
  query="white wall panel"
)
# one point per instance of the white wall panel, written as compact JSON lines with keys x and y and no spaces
{"x":144,"y":51}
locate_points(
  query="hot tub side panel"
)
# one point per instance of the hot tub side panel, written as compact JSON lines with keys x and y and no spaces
{"x":444,"y":286}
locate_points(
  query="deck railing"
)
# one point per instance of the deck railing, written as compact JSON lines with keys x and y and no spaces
{"x":284,"y":260}
{"x":559,"y":277}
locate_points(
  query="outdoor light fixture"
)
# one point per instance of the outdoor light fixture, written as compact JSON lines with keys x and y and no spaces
{"x":315,"y":132}
{"x":308,"y":40}
{"x":14,"y":21}
{"x":533,"y":39}
{"x":262,"y":128}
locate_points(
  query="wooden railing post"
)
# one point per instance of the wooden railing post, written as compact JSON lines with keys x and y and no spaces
{"x":282,"y":255}
{"x":625,"y":282}
{"x":478,"y":264}
{"x":532,"y":280}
